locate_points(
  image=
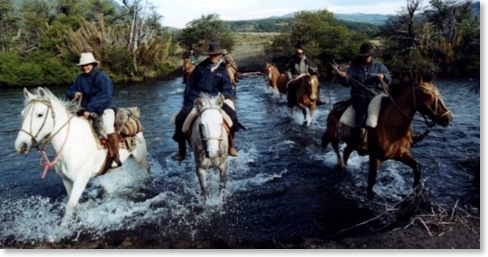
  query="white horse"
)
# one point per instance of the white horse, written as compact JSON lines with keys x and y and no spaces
{"x":79,"y":155}
{"x":209,"y":139}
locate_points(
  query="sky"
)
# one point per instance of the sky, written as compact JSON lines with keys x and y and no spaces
{"x":177,"y":13}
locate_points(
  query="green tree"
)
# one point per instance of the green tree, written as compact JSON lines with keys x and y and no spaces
{"x":209,"y":28}
{"x":9,"y":26}
{"x":322,"y":37}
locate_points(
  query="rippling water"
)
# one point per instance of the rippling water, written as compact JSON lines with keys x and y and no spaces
{"x":282,"y":185}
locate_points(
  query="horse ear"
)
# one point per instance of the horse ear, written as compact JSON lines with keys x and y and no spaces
{"x":28,"y":95}
{"x":220,"y":100}
{"x":42,"y":92}
{"x":418,"y":79}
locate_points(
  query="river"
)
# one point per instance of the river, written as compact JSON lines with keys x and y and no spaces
{"x":282,"y":186}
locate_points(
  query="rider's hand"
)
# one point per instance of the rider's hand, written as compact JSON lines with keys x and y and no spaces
{"x":77,"y":95}
{"x":342,"y":73}
{"x":381,"y":76}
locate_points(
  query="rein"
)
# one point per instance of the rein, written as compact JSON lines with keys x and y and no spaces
{"x":45,"y":163}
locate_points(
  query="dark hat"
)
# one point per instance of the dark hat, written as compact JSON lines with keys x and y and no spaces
{"x":366,"y":49}
{"x":213,"y":49}
{"x":191,"y":48}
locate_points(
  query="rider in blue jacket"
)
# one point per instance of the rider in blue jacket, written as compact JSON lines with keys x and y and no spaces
{"x":365,"y":78}
{"x":95,"y":89}
{"x":209,"y":76}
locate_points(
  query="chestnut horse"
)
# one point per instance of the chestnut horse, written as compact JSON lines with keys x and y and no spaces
{"x":232,"y":74}
{"x":276,"y":80}
{"x":307,"y":94}
{"x":392,"y":136}
{"x":188,"y":68}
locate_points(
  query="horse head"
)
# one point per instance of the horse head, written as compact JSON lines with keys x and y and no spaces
{"x":311,"y":84}
{"x":211,"y":124}
{"x":38,"y":120}
{"x":429,"y":102}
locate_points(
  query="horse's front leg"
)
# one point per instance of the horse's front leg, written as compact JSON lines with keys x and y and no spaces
{"x":78,"y":187}
{"x":374,"y":163}
{"x":223,"y":177}
{"x":202,"y":179}
{"x":407,"y":159}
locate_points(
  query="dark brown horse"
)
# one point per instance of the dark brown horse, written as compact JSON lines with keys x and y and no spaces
{"x":393,"y":136}
{"x":307,"y":94}
{"x":188,"y":68}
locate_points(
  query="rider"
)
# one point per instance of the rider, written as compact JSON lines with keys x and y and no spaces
{"x":192,"y":55}
{"x":299,"y":65}
{"x":209,"y":76}
{"x":229,"y":60}
{"x":365,"y":77}
{"x":95,"y":89}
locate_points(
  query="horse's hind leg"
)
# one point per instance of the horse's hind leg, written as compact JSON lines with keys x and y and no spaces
{"x":335,"y":146}
{"x":347,"y":153}
{"x":373,"y":169}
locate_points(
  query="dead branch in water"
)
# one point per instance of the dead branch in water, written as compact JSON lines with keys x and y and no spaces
{"x":418,"y":209}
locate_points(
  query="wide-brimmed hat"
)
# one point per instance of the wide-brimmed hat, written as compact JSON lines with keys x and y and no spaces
{"x":87,"y":58}
{"x":366,"y":49}
{"x":213,"y":49}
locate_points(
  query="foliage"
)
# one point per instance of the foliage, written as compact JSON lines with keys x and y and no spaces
{"x":36,"y":69}
{"x":444,"y":38}
{"x":209,"y":28}
{"x":323,"y":38}
{"x":41,"y":40}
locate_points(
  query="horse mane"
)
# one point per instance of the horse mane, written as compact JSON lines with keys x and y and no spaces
{"x":71,"y":106}
{"x":403,"y":81}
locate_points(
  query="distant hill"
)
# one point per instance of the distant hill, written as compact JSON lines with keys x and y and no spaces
{"x":281,"y":24}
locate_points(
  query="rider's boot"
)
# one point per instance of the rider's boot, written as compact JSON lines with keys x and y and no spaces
{"x":363,"y":143}
{"x":181,"y":154}
{"x":113,"y":150}
{"x":232,"y":149}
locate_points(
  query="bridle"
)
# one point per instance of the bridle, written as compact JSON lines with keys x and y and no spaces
{"x":435,"y":117}
{"x":205,"y":139}
{"x":41,"y":146}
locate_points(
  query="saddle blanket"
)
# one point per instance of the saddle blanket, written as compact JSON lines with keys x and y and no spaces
{"x":194,"y":114}
{"x":348,"y":118}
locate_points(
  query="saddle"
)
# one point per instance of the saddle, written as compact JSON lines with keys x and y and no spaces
{"x":127,"y":126}
{"x":347,"y":123}
{"x":190,"y":119}
{"x":348,"y":117}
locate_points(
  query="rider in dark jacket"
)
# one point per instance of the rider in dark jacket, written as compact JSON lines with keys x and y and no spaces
{"x":209,"y":76}
{"x":95,"y":89}
{"x":364,"y":77}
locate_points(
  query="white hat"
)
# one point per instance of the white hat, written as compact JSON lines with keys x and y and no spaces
{"x":224,"y":51}
{"x":87,"y":58}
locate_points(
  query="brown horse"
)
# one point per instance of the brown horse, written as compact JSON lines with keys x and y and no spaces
{"x":273,"y":74}
{"x":392,"y":137}
{"x":188,"y":68}
{"x":307,"y":93}
{"x":232,"y":74}
{"x":276,"y":80}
